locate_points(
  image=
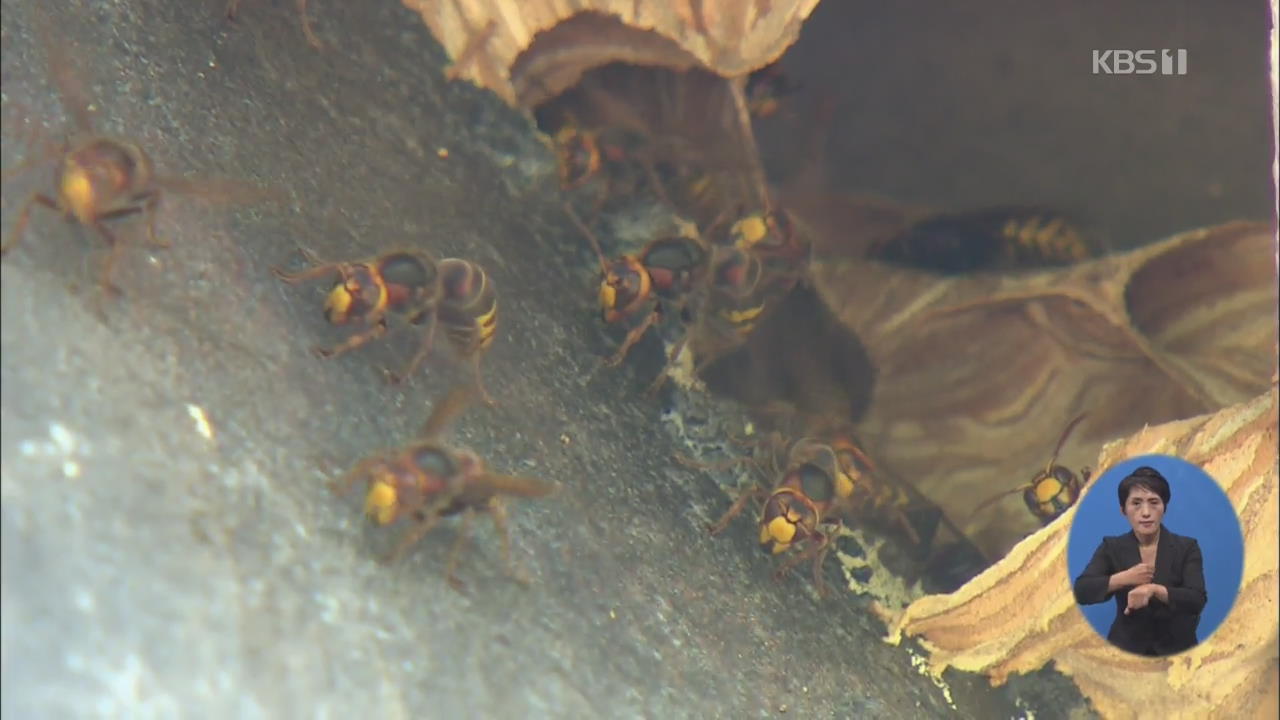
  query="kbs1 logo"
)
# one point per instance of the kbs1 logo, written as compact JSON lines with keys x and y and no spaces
{"x":1140,"y":62}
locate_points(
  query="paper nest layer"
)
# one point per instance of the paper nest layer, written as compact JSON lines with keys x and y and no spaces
{"x":528,"y":51}
{"x":1020,"y":613}
{"x":978,"y":374}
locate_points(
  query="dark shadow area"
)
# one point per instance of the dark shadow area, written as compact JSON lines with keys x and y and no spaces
{"x":800,"y":357}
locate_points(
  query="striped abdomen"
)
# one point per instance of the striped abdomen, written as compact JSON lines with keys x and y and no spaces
{"x":468,"y":306}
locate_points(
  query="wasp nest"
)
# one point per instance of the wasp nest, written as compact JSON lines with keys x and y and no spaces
{"x":979,"y":374}
{"x":1020,"y":613}
{"x":528,"y":51}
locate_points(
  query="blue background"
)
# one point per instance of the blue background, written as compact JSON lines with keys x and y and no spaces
{"x":1197,"y":508}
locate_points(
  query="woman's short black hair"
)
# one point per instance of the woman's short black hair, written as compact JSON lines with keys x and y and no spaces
{"x":1147,"y":478}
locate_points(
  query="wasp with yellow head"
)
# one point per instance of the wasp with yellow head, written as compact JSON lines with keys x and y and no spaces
{"x":724,"y":307}
{"x":1053,"y":490}
{"x":752,"y":267}
{"x":821,"y":481}
{"x":803,"y":511}
{"x":803,"y":504}
{"x":403,"y":282}
{"x":774,"y":238}
{"x":636,"y":289}
{"x":99,"y":178}
{"x":426,"y":481}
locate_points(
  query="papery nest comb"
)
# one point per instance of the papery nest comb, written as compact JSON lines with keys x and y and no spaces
{"x":529,"y":51}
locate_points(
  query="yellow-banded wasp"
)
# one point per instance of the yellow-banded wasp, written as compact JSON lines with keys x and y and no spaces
{"x":874,"y":495}
{"x":468,"y":311}
{"x":736,"y":297}
{"x":426,"y":481}
{"x":735,"y":301}
{"x":724,"y":310}
{"x":638,"y":288}
{"x":750,"y":270}
{"x":1053,"y":490}
{"x":453,"y":292}
{"x":404,"y":282}
{"x":1000,"y":238}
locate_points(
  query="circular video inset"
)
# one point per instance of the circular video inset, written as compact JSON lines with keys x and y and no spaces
{"x":1155,"y":555}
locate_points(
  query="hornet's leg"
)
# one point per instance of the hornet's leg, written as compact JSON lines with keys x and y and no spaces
{"x":485,"y":397}
{"x":631,"y":339}
{"x":689,"y":462}
{"x":903,"y":522}
{"x":817,"y":550}
{"x":318,"y":269}
{"x":666,"y":369}
{"x":104,"y":278}
{"x":378,"y":330}
{"x":343,"y":485}
{"x":412,"y":537}
{"x":312,"y":40}
{"x":819,"y":558}
{"x":149,"y":207}
{"x":753,"y":492}
{"x":455,"y":552}
{"x":424,"y":349}
{"x":24,"y":215}
{"x":498,"y":513}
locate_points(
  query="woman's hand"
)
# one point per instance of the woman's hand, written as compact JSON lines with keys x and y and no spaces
{"x":1139,"y":597}
{"x":1139,"y":574}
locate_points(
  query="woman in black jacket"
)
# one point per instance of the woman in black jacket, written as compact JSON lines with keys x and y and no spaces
{"x":1156,"y":577}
